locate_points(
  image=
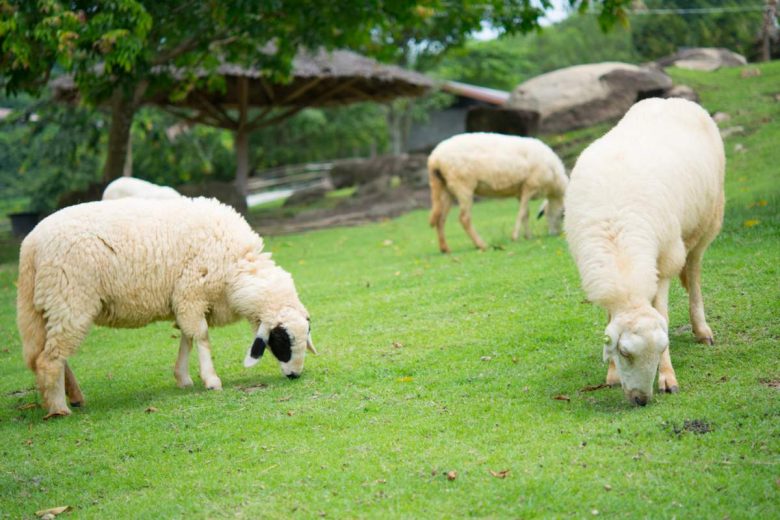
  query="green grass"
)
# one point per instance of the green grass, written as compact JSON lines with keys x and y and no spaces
{"x":430,"y":364}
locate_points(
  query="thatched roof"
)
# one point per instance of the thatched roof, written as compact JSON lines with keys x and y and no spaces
{"x":317,"y":79}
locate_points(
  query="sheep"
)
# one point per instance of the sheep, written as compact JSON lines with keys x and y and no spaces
{"x":494,"y":165}
{"x":125,"y":263}
{"x":132,"y":187}
{"x":643,"y":203}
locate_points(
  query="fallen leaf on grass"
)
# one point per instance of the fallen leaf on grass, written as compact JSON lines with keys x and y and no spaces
{"x":751,"y":223}
{"x":485,"y":358}
{"x":398,"y":344}
{"x":405,"y":379}
{"x":290,"y":413}
{"x":562,"y":398}
{"x":283,"y":399}
{"x":452,"y":475}
{"x":500,"y":474}
{"x":607,"y":487}
{"x":19,"y":393}
{"x":28,"y":406}
{"x":54,"y":511}
{"x":151,"y":409}
{"x":593,"y":388}
{"x":28,"y":442}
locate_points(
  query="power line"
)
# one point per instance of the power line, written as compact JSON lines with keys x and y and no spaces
{"x":699,"y":10}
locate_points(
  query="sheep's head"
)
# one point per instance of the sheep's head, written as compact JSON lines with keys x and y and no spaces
{"x":635,"y":341}
{"x":288,"y":336}
{"x":552,"y":208}
{"x":265,"y":294}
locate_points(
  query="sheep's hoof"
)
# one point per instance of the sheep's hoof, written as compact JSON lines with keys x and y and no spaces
{"x":707,"y":340}
{"x":77,"y":404}
{"x":213,"y":383}
{"x":184,"y":383}
{"x":56,"y":413}
{"x":674,"y":389}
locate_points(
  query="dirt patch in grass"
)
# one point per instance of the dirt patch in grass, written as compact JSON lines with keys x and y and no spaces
{"x":697,"y":426}
{"x":772,"y":383}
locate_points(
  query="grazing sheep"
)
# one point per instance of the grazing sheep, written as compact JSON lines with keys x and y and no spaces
{"x":494,"y":165}
{"x":131,"y":187}
{"x":643,"y":204}
{"x":126,"y":263}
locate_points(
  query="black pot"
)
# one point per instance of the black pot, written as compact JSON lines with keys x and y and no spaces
{"x":23,"y":223}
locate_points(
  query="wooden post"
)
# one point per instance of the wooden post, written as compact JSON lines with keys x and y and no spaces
{"x":770,"y":14}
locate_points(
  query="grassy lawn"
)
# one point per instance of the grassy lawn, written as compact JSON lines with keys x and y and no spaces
{"x":432,"y":364}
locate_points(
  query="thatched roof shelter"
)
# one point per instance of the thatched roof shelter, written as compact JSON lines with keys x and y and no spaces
{"x":317,"y":79}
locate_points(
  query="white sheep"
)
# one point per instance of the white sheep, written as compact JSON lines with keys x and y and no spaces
{"x":494,"y":165}
{"x":129,"y":262}
{"x":643,"y":204}
{"x":131,"y":187}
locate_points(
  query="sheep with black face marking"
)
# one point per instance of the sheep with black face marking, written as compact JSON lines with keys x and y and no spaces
{"x":643,"y":204}
{"x":494,"y":165}
{"x":124,"y":187}
{"x":129,"y":262}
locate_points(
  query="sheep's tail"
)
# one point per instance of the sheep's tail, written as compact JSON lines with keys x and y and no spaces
{"x":438,"y":190}
{"x":32,"y":326}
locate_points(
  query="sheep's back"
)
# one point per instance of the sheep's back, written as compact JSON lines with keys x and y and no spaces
{"x":494,"y":162}
{"x":130,"y":255}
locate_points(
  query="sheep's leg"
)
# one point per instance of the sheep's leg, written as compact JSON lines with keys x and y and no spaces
{"x":466,"y":202}
{"x":661,"y":300}
{"x":445,"y":202}
{"x":667,"y":380}
{"x":182,"y":370}
{"x":50,"y":375}
{"x":207,"y":373}
{"x":613,"y":379}
{"x":72,"y":389}
{"x":522,"y":216}
{"x":691,"y":279}
{"x":51,"y":369}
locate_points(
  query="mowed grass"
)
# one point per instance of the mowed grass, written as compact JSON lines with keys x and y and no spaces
{"x":432,"y":364}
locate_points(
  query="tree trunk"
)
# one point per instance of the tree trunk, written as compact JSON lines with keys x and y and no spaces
{"x":242,"y":161}
{"x":767,"y":30}
{"x":242,"y":138}
{"x":122,"y":112}
{"x":127,"y":171}
{"x":123,"y":108}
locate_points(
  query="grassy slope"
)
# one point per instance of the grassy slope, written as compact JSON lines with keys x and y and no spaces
{"x":372,"y":428}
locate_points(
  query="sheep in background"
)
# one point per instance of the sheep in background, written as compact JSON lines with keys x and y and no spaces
{"x":129,"y":262}
{"x":494,"y":165}
{"x":131,"y":187}
{"x":643,"y":204}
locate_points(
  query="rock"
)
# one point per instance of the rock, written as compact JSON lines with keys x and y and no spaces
{"x":377,"y":186}
{"x":309,"y":194}
{"x":682,"y":91}
{"x":732,"y":130}
{"x":703,"y":58}
{"x":225,"y":192}
{"x":584,"y":95}
{"x":720,"y":117}
{"x":502,"y":120}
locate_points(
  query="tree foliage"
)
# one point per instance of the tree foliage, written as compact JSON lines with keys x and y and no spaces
{"x":656,"y":34}
{"x":505,"y":62}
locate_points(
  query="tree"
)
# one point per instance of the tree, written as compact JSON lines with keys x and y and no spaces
{"x":115,"y":46}
{"x":670,"y":24}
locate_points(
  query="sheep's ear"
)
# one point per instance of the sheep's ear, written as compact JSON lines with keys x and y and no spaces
{"x":255,"y":352}
{"x":542,"y":209}
{"x":310,"y":345}
{"x":611,"y":335}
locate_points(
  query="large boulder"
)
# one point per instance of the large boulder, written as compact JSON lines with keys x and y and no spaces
{"x":703,"y":58}
{"x":502,"y":120}
{"x":583,"y":95}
